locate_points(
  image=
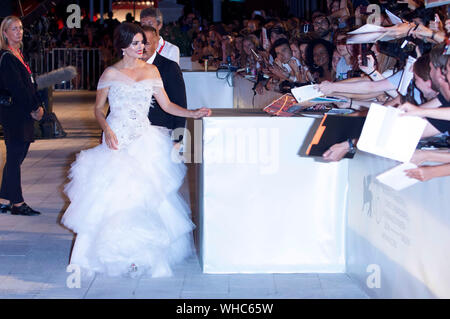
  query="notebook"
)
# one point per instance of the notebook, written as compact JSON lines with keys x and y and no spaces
{"x":283,"y":106}
{"x":332,"y":130}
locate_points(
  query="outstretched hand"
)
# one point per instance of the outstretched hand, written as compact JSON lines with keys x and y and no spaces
{"x":326,"y":87}
{"x":370,"y":67}
{"x":336,"y":152}
{"x":410,"y":109}
{"x":423,"y":173}
{"x":202,"y":112}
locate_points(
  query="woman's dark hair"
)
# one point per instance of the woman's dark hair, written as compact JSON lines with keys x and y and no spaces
{"x":310,"y":55}
{"x":124,"y":34}
{"x":422,"y":67}
{"x":276,"y":44}
{"x":276,"y":30}
{"x":298,"y":41}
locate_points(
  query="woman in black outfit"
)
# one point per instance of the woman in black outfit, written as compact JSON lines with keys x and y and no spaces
{"x":18,"y":119}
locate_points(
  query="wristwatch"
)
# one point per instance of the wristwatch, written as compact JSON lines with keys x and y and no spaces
{"x":352,"y":149}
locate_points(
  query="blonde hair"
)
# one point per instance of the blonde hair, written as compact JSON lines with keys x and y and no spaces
{"x":3,"y":27}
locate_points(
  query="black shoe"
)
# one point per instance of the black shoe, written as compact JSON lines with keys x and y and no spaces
{"x":24,"y":210}
{"x":5,"y":208}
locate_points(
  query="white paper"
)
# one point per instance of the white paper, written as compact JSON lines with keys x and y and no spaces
{"x":387,"y":134}
{"x":396,"y":177}
{"x":394,"y":19}
{"x":368,"y":28}
{"x":435,"y":3}
{"x":371,"y":37}
{"x":407,"y":76}
{"x":306,"y":93}
{"x":364,"y":38}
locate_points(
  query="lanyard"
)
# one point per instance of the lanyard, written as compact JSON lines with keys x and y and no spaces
{"x":162,"y":47}
{"x":21,"y":60}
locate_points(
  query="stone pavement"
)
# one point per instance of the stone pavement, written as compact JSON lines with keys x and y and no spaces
{"x":35,"y":251}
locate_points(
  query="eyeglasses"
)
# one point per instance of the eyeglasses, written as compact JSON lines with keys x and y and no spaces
{"x":320,"y":21}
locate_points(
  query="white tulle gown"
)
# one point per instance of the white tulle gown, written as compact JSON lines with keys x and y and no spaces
{"x":125,"y":207}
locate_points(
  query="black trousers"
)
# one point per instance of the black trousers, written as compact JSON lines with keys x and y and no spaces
{"x":11,"y":188}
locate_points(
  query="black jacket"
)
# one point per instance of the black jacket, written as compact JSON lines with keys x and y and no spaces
{"x":18,"y":125}
{"x":173,"y":81}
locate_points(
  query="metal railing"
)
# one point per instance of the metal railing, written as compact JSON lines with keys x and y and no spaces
{"x":88,"y":62}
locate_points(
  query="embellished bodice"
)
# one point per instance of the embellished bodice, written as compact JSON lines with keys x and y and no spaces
{"x":129,"y":103}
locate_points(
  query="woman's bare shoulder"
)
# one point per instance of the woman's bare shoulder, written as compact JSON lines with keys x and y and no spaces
{"x":151,"y":71}
{"x":110,"y":70}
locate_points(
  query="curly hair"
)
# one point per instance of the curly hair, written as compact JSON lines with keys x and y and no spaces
{"x":310,"y":55}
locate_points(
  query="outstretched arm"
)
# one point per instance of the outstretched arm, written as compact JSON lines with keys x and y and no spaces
{"x":174,"y":109}
{"x":425,"y":173}
{"x":438,"y":156}
{"x":442,"y":113}
{"x":356,"y":87}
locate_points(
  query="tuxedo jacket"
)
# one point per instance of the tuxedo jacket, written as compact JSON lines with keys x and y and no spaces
{"x":173,"y":82}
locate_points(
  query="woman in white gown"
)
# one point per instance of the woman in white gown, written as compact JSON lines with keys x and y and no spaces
{"x":125,"y":206}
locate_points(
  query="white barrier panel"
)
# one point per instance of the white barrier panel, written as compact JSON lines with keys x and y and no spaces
{"x":263,"y":208}
{"x":205,"y":89}
{"x":244,"y":97}
{"x":187,"y":65}
{"x":214,"y":90}
{"x":397,"y":241}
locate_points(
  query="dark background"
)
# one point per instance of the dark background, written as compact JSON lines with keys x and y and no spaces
{"x":230,"y":9}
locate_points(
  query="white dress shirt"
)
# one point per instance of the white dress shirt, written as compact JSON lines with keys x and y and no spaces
{"x":168,"y":50}
{"x":152,"y":58}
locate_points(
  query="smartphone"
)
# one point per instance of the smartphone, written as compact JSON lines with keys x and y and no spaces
{"x":364,"y":54}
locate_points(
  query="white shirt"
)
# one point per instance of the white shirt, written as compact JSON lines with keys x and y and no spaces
{"x":168,"y":50}
{"x":288,"y":67}
{"x":152,"y":58}
{"x":342,"y":69}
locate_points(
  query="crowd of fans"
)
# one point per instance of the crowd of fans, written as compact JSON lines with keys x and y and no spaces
{"x":282,"y":53}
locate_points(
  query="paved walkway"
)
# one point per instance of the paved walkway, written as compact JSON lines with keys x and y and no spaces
{"x":34,"y":251}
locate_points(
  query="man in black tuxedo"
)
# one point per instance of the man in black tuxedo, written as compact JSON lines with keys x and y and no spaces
{"x":173,"y":82}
